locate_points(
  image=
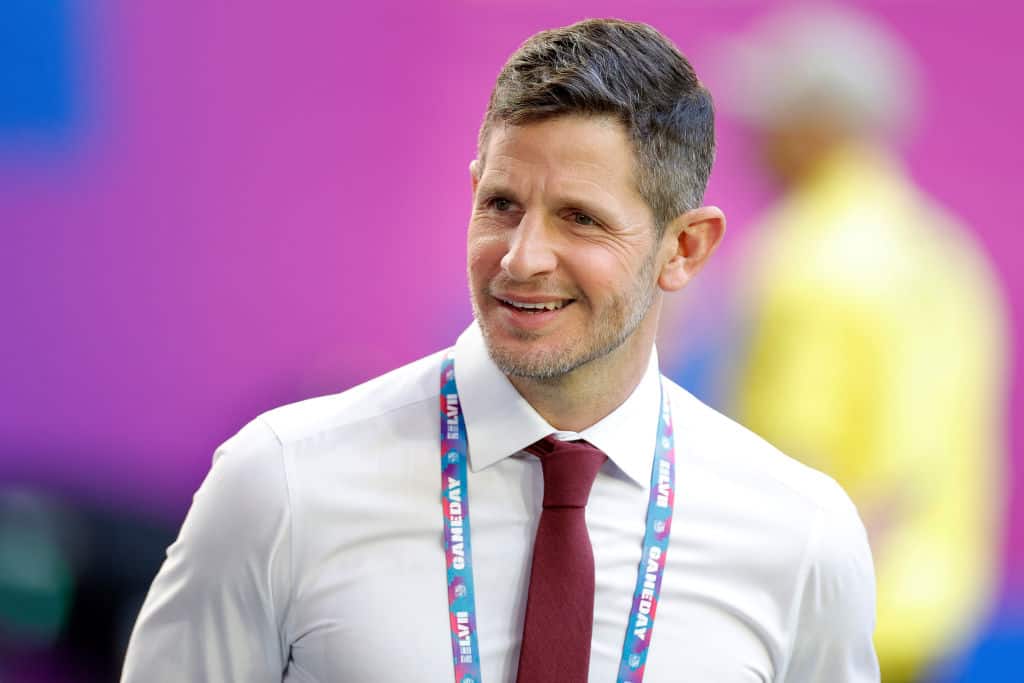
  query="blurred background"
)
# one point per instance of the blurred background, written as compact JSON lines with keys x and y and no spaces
{"x":210,"y":209}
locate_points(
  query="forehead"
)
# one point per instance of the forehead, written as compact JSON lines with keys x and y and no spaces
{"x":573,"y":151}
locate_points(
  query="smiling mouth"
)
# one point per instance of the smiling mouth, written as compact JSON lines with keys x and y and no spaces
{"x":539,"y":307}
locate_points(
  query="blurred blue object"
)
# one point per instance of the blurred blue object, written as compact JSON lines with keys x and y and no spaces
{"x":35,"y":571}
{"x":996,"y":656}
{"x":73,"y":575}
{"x":36,"y":68}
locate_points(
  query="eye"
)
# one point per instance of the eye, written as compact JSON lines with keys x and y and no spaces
{"x":501,"y":204}
{"x":581,"y":218}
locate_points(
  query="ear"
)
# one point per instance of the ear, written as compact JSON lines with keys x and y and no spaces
{"x":475,"y":169}
{"x":688,"y":242}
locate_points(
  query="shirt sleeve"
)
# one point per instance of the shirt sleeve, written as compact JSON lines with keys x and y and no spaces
{"x":834,"y":615}
{"x":215,"y":610}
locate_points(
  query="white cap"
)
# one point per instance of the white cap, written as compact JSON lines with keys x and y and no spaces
{"x":818,"y":58}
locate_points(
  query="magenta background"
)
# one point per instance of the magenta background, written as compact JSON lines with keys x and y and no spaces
{"x":259,"y":205}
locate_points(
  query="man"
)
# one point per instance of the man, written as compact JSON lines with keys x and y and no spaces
{"x":317,"y":550}
{"x":877,"y":343}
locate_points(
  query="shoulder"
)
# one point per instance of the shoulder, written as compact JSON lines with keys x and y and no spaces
{"x":772,"y":526}
{"x":408,"y":386}
{"x":790,"y":519}
{"x":718,"y":445}
{"x":254,"y":468}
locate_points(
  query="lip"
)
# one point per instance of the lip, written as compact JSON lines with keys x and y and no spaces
{"x":529,"y":320}
{"x":529,"y":298}
{"x":533,"y":301}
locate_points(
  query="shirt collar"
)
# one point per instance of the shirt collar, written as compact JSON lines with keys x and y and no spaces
{"x":500,"y":422}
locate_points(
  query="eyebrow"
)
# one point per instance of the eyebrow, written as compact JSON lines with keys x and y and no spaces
{"x":494,"y":182}
{"x":491,"y":185}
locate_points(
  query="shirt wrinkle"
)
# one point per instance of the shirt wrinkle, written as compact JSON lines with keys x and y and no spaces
{"x":284,"y":620}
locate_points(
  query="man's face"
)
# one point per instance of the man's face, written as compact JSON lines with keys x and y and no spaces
{"x":561,"y":246}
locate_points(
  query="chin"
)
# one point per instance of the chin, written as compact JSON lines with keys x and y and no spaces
{"x":521,"y":357}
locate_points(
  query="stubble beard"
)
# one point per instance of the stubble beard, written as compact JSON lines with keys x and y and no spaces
{"x":609,"y":332}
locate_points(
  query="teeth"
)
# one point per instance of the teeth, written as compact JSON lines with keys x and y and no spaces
{"x":554,"y":305}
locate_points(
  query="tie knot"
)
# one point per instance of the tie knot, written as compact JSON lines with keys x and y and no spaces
{"x":570,"y":468}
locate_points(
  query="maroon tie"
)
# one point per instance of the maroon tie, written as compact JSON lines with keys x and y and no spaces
{"x":560,"y":604}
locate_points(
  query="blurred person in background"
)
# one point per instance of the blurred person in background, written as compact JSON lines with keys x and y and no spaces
{"x":872,"y":331}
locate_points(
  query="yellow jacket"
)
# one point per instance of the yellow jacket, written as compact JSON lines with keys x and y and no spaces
{"x":876,"y":354}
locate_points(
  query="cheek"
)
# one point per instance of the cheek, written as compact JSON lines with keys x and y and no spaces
{"x":603,"y":273}
{"x":483,"y":255}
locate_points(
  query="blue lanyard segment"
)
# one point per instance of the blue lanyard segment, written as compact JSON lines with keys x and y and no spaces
{"x":458,"y":555}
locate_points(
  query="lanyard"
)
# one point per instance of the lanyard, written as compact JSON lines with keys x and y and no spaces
{"x":455,"y":503}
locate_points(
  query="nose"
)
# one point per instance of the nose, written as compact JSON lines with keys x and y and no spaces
{"x":531,"y":251}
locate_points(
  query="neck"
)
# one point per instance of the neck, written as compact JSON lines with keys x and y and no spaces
{"x":591,"y":392}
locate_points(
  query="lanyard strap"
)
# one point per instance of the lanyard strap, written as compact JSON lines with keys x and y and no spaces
{"x":458,"y":555}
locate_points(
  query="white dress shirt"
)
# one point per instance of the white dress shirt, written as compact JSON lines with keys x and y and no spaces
{"x":313,"y":551}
